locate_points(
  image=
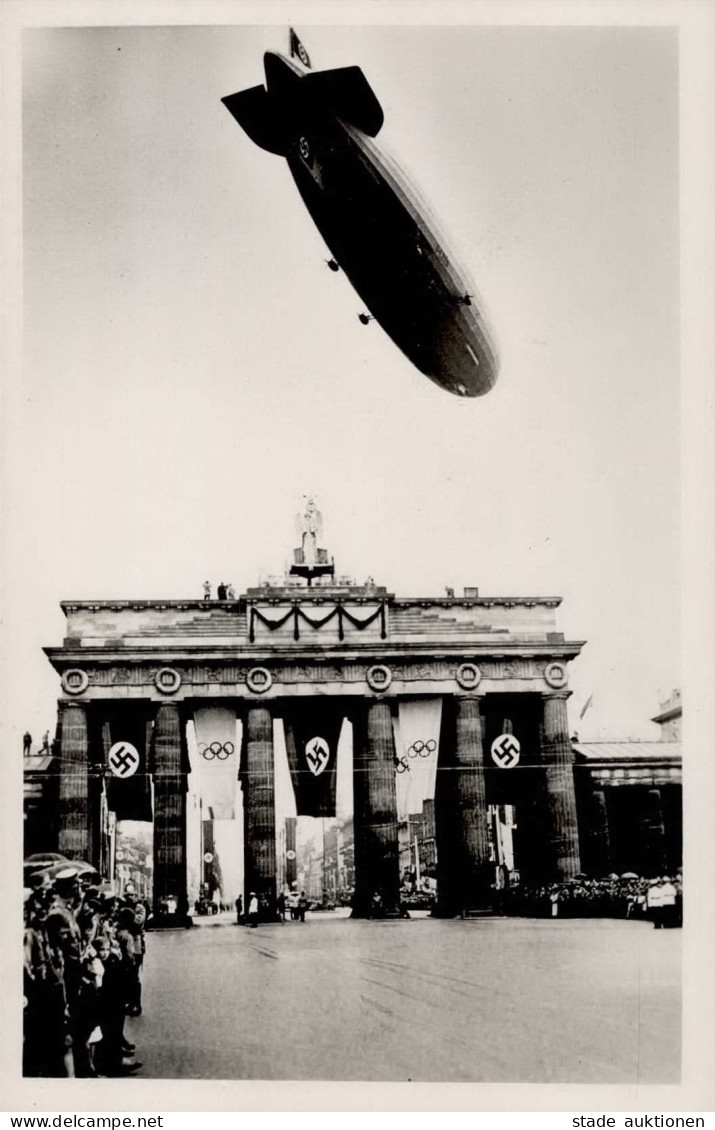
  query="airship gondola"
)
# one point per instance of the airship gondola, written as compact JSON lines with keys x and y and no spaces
{"x":377,"y":228}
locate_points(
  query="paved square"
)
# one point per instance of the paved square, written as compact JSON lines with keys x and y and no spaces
{"x":491,"y":1000}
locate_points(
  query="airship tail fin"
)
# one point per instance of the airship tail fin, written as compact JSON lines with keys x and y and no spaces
{"x":255,"y":112}
{"x":348,"y":93}
{"x":297,"y":50}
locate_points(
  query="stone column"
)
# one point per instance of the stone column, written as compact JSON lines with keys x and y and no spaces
{"x":169,"y":817}
{"x":653,"y":832}
{"x":259,"y":811}
{"x":464,"y":882}
{"x":377,"y":863}
{"x":557,"y":759}
{"x":74,"y":832}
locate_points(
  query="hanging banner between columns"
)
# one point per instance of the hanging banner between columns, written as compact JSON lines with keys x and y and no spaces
{"x":215,"y":760}
{"x":417,"y":728}
{"x":312,"y":732}
{"x":129,"y":797}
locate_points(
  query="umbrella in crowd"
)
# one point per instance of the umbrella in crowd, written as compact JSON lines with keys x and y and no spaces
{"x":43,"y":859}
{"x":64,"y":868}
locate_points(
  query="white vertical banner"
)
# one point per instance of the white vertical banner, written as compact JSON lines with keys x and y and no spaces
{"x":215,"y":760}
{"x":417,"y":729}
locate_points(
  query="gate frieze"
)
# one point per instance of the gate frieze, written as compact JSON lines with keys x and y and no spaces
{"x":171,"y":676}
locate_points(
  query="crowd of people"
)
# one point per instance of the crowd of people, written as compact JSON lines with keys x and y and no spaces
{"x":659,"y":900}
{"x":83,"y":953}
{"x":265,"y":910}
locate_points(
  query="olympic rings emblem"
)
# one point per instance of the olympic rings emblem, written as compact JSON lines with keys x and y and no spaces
{"x":218,"y":750}
{"x":417,"y":749}
{"x":422,"y":749}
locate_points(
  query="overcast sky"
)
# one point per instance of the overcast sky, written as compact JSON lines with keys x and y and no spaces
{"x":192,"y":368}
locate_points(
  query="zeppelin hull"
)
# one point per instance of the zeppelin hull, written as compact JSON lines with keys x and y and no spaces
{"x":377,"y":228}
{"x":380,"y":238}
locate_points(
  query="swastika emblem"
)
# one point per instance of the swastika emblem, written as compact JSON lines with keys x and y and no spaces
{"x":123,"y":759}
{"x":317,"y":755}
{"x":505,"y":751}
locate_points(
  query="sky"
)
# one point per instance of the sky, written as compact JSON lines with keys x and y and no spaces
{"x":192,"y":369}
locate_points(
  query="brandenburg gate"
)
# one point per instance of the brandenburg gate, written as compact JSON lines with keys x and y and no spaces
{"x":306,"y":649}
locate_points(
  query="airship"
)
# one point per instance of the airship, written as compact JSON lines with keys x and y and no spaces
{"x":378,"y":229}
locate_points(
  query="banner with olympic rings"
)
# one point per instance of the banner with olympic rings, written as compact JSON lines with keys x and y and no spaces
{"x":417,"y":728}
{"x":215,"y":759}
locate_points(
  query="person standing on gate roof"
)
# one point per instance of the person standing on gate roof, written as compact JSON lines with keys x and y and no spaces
{"x":221,"y":591}
{"x":252,"y":910}
{"x":207,"y":590}
{"x":46,"y":742}
{"x":26,"y":743}
{"x":230,"y":592}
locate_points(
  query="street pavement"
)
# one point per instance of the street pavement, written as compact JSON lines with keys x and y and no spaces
{"x":482,"y":1000}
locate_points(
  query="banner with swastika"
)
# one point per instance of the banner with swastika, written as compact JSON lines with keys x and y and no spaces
{"x":506,"y":751}
{"x":312,"y":731}
{"x":123,"y":759}
{"x":125,"y":737}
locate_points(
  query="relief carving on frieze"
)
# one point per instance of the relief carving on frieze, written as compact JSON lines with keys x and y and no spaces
{"x":320,"y":673}
{"x":415,"y":672}
{"x":510,"y":669}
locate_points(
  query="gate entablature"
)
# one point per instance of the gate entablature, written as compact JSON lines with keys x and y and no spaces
{"x":359,"y":644}
{"x":88,"y":677}
{"x":284,"y":639}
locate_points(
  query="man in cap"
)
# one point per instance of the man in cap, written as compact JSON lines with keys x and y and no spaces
{"x":131,"y":902}
{"x":68,"y":895}
{"x":668,"y":896}
{"x":654,"y":903}
{"x":253,"y":909}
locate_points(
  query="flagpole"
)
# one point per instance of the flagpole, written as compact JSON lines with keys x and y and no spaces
{"x":201,"y":847}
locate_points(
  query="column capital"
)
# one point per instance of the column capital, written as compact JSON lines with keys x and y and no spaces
{"x":556,"y":694}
